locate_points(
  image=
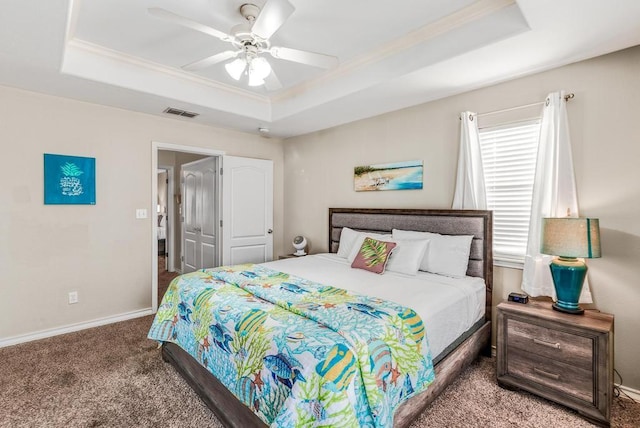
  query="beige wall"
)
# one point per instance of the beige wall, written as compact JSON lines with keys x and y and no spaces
{"x":101,"y":251}
{"x":605,"y":130}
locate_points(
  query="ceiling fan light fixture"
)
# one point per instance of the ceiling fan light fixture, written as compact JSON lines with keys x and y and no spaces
{"x":259,"y":67}
{"x":255,"y":80}
{"x":236,"y":67}
{"x":250,"y":39}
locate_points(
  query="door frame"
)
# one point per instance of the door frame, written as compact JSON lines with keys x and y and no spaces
{"x":171,"y":191}
{"x":155,"y":146}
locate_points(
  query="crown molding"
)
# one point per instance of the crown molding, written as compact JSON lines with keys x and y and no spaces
{"x":92,"y":48}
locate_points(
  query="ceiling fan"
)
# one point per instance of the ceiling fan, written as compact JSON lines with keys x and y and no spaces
{"x":250,"y":41}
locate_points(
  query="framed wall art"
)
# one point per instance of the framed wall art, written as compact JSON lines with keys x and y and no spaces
{"x":69,"y":180}
{"x":388,"y":176}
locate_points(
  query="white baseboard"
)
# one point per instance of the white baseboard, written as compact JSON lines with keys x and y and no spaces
{"x":70,"y":328}
{"x":633,"y":393}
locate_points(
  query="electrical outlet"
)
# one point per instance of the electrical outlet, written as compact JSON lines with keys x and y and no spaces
{"x":141,"y":213}
{"x":73,"y":297}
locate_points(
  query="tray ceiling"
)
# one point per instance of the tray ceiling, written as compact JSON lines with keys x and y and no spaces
{"x":391,"y":54}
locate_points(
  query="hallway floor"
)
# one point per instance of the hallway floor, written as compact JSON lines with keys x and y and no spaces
{"x":164,"y":277}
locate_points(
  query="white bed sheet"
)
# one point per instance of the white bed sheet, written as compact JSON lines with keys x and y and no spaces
{"x":447,"y":306}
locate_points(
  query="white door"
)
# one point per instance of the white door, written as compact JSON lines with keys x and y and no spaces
{"x":247,"y":210}
{"x":199,"y":215}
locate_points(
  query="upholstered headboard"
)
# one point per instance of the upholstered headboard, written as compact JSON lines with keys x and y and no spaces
{"x":447,"y":222}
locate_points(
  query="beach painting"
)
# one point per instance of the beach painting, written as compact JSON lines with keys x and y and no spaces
{"x":388,"y":176}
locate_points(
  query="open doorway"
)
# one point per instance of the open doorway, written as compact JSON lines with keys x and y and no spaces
{"x":244,"y":200}
{"x":165,"y":211}
{"x":167,"y":262}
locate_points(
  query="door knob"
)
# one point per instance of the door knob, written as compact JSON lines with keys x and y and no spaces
{"x":270,"y":231}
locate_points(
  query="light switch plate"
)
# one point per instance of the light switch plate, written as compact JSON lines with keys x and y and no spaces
{"x":141,"y":213}
{"x":73,"y":297}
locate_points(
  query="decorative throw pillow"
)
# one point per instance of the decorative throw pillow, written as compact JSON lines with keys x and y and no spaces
{"x":446,"y":255}
{"x":360,"y":240}
{"x":373,"y":255}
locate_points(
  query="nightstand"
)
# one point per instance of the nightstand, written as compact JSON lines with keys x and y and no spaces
{"x":288,"y":256}
{"x":564,"y":358}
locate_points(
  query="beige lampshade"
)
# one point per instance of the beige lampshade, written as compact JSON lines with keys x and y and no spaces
{"x":571,"y":237}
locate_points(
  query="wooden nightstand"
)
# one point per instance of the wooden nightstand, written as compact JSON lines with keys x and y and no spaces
{"x":564,"y":358}
{"x":288,"y":256}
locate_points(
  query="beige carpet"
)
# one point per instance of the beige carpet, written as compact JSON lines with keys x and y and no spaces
{"x":113,"y":376}
{"x":164,"y":277}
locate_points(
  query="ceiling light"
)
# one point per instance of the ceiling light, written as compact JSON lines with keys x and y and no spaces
{"x":236,"y":67}
{"x":254,"y":80}
{"x":259,"y":67}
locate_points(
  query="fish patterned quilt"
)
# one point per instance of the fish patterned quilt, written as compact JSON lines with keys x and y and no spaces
{"x":298,"y":353}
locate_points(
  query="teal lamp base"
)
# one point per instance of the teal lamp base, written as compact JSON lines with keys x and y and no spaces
{"x":568,"y":276}
{"x":556,"y":306}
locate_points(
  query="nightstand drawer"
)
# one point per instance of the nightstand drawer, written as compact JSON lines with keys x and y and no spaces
{"x":561,"y":346}
{"x":562,"y":377}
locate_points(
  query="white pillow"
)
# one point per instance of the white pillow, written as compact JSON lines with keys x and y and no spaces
{"x":407,"y":256}
{"x":446,"y":254}
{"x":360,"y":239}
{"x":347,"y":239}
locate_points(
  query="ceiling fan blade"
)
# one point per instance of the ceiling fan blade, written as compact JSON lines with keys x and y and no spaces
{"x":274,"y":13}
{"x":186,"y":22}
{"x":304,"y":57}
{"x":211,"y":60}
{"x":271,"y":82}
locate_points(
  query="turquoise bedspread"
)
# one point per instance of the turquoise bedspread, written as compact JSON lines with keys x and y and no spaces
{"x":298,"y":353}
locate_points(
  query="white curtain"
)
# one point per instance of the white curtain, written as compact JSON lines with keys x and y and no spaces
{"x":470,"y":192}
{"x":554,"y":195}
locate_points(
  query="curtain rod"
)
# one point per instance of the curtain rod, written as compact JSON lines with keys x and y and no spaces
{"x":566,"y":98}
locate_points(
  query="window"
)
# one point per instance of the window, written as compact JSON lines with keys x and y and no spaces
{"x":509,"y":160}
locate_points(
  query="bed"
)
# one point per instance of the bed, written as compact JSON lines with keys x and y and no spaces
{"x":450,"y":355}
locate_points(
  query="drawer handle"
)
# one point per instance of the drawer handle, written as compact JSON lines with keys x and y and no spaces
{"x":547,"y":374}
{"x":555,"y":345}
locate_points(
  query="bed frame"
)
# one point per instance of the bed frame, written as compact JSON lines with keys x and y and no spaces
{"x":233,"y":413}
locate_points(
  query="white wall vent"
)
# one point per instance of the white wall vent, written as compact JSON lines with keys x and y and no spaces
{"x":178,"y":112}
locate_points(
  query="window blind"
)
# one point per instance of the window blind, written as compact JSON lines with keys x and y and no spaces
{"x":509,"y":160}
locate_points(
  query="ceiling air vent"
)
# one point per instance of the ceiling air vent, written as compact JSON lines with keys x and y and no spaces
{"x":178,"y":112}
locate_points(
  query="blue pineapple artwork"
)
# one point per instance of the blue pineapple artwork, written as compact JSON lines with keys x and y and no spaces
{"x":69,"y":180}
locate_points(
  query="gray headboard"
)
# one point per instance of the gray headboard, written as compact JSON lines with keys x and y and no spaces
{"x":447,"y":222}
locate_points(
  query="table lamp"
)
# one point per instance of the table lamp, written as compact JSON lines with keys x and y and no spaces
{"x":569,"y":238}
